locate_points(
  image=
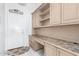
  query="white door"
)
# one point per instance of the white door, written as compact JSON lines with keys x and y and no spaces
{"x":15,"y":27}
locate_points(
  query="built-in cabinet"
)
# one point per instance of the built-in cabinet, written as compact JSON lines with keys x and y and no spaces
{"x":51,"y":15}
{"x":45,"y":15}
{"x":41,"y":17}
{"x":56,"y":14}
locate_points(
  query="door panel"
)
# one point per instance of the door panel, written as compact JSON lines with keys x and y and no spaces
{"x":64,"y":53}
{"x":69,"y":12}
{"x":36,"y":18}
{"x":50,"y":50}
{"x":16,"y":26}
{"x":55,"y":13}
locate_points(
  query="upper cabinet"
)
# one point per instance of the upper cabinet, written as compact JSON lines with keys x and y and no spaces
{"x":41,"y":17}
{"x":45,"y":15}
{"x":69,"y":13}
{"x":55,"y":13}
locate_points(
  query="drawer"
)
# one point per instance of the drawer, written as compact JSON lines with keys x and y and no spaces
{"x":35,"y":45}
{"x":40,"y":41}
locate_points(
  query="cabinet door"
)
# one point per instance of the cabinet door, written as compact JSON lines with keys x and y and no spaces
{"x":35,"y":19}
{"x":69,"y":12}
{"x":50,"y":50}
{"x":78,"y":10}
{"x":64,"y":53}
{"x":55,"y":13}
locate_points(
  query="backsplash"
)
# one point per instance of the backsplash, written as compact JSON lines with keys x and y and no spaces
{"x":68,"y":33}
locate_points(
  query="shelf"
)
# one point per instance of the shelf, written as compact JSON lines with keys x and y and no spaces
{"x":54,"y":25}
{"x":47,"y":11}
{"x":45,"y":22}
{"x":47,"y":26}
{"x":41,"y":27}
{"x":47,"y":18}
{"x":45,"y":15}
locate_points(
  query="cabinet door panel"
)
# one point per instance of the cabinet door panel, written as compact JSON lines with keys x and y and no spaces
{"x":35,"y":19}
{"x":78,"y":10}
{"x":69,"y":12}
{"x":64,"y":53}
{"x":55,"y":10}
{"x":50,"y":50}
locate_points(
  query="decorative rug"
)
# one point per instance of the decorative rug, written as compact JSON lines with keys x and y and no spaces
{"x":18,"y":51}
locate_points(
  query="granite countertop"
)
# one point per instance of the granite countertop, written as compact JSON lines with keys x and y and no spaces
{"x":68,"y":46}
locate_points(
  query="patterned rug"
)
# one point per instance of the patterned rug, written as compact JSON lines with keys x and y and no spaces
{"x":18,"y":51}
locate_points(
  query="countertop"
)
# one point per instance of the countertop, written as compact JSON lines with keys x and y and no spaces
{"x":67,"y":46}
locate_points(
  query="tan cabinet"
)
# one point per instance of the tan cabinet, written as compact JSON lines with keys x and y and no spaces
{"x":69,"y":13}
{"x":55,"y":13}
{"x":50,"y":50}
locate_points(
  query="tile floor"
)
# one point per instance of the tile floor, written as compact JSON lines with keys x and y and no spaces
{"x":18,"y":51}
{"x":31,"y":52}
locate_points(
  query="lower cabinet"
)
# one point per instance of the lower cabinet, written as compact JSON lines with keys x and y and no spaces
{"x":51,"y":50}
